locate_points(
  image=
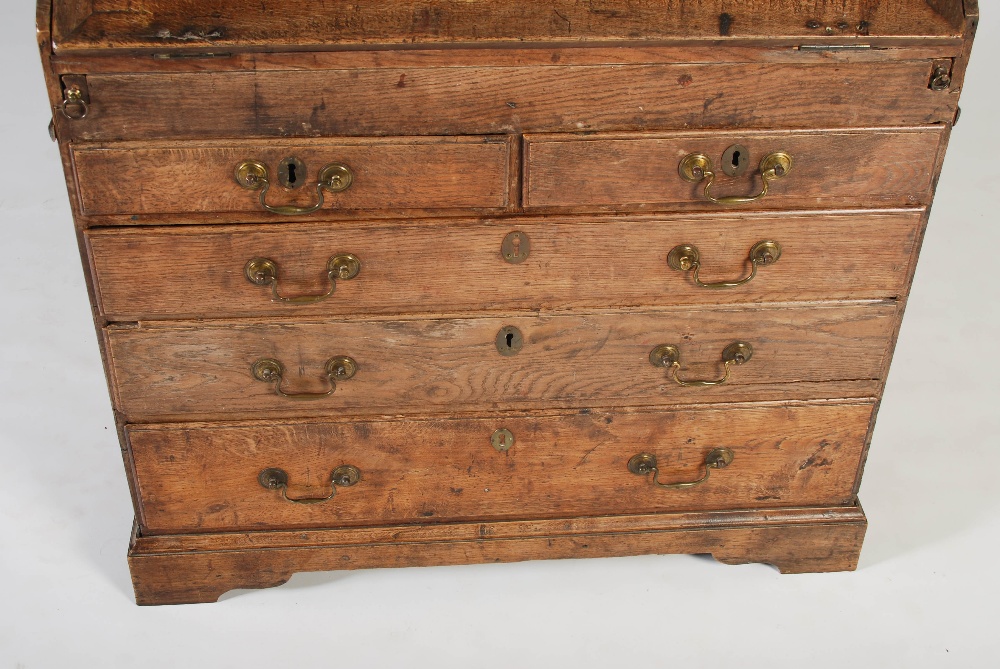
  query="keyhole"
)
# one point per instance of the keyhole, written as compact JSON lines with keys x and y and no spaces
{"x":291,"y":172}
{"x":735,"y":160}
{"x":515,"y":247}
{"x":509,"y":341}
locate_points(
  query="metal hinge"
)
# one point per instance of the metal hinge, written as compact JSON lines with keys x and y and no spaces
{"x":835,"y":47}
{"x":173,"y":56}
{"x":76,"y":97}
{"x":941,"y":74}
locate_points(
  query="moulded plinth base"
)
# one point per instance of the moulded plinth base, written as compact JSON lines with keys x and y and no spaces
{"x":182,"y":569}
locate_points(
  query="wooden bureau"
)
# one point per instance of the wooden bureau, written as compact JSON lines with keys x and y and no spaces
{"x":421,"y":282}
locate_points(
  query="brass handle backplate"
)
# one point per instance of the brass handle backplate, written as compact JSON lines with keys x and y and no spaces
{"x":269,"y":370}
{"x":253,"y":175}
{"x":343,"y":476}
{"x":644,"y":463}
{"x":697,"y":167}
{"x":669,"y":356}
{"x":686,"y":258}
{"x":264,"y":272}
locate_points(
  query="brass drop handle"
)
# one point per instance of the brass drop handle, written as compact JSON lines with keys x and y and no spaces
{"x":74,"y":104}
{"x":644,"y":463}
{"x":253,"y":175}
{"x":697,"y":167}
{"x":686,"y":258}
{"x":343,"y":476}
{"x":264,"y":272}
{"x":669,"y":356}
{"x":269,"y":370}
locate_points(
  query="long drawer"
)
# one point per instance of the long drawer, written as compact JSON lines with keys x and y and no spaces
{"x":520,"y":264}
{"x":878,"y":167}
{"x":206,"y":370}
{"x":215,"y":477}
{"x":401,"y":173}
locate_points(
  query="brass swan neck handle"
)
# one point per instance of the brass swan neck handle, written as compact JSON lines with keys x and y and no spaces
{"x":343,"y":476}
{"x":264,"y":272}
{"x":687,"y":258}
{"x":669,"y":356}
{"x":697,"y":168}
{"x":645,"y":463}
{"x":253,"y":175}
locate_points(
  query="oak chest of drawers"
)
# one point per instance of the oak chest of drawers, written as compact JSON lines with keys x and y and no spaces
{"x":420,"y":282}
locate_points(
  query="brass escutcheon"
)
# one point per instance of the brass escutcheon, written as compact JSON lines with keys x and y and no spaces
{"x":736,"y":160}
{"x":509,"y":341}
{"x":291,"y":172}
{"x":644,"y":463}
{"x":502,"y":440}
{"x":515,"y":247}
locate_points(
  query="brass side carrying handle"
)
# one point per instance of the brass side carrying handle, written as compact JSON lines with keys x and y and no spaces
{"x":269,"y":370}
{"x":686,"y":258}
{"x":264,"y":272}
{"x":697,"y":167}
{"x":669,"y":356}
{"x":253,"y":175}
{"x":644,"y":463}
{"x":343,"y":476}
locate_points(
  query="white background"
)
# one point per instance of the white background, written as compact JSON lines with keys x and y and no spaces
{"x":925,"y":593}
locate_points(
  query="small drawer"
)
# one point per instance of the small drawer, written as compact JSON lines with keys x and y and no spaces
{"x":282,"y":179}
{"x":231,"y":370}
{"x":233,"y":477}
{"x":519,"y":264}
{"x":729,"y":170}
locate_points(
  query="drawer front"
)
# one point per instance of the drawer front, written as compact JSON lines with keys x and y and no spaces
{"x":302,"y":98}
{"x":385,"y":174}
{"x":834,"y":168}
{"x":195,"y":371}
{"x":200,"y":272}
{"x":206,"y":477}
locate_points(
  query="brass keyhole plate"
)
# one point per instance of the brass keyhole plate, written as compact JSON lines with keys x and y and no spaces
{"x":502,"y":440}
{"x":291,"y":172}
{"x":509,"y":341}
{"x":515,"y":247}
{"x":736,"y":160}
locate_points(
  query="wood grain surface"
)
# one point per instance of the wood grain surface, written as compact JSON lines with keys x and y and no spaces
{"x":203,"y":370}
{"x":204,"y":478}
{"x":177,"y":569}
{"x":503,"y":100}
{"x":538,"y":55}
{"x":876,"y":167}
{"x":201,"y":24}
{"x":190,"y":178}
{"x":437,"y":266}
